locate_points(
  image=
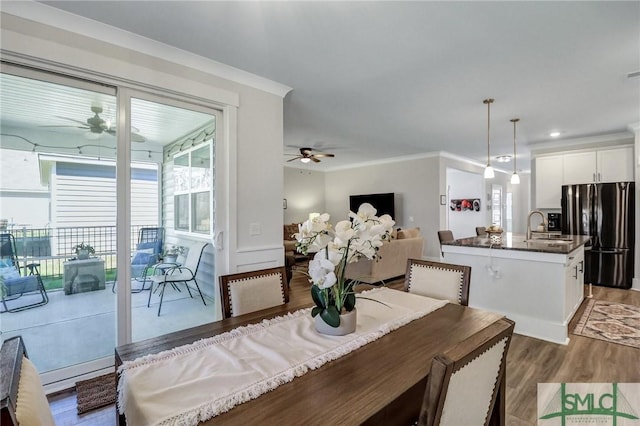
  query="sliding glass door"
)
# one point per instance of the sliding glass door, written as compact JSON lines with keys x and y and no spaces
{"x":97,"y":182}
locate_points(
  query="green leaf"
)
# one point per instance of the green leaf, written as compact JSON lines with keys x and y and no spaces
{"x":331,"y":316}
{"x":316,"y":295}
{"x":316,"y":310}
{"x":350,"y":302}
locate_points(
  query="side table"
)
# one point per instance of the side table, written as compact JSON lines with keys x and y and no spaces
{"x":83,"y":275}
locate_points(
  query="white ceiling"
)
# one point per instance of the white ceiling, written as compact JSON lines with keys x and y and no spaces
{"x":374,"y":80}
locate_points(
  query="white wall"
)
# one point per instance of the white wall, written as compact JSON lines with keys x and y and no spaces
{"x":304,"y":191}
{"x":254,"y":128}
{"x":465,"y":185}
{"x":414,"y":182}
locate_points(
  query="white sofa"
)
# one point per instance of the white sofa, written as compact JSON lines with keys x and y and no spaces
{"x":407,"y":244}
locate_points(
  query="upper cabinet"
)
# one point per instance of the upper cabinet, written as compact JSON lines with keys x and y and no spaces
{"x":615,"y":165}
{"x":605,"y":165}
{"x":569,"y":168}
{"x":549,"y":181}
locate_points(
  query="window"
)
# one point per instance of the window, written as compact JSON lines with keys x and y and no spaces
{"x":193,"y":190}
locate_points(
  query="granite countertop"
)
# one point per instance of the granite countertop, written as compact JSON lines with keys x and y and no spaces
{"x":560,"y":243}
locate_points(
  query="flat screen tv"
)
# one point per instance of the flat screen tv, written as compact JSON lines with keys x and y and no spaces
{"x":384,"y":203}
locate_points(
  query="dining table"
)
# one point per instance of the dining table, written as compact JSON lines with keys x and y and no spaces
{"x":380,"y":383}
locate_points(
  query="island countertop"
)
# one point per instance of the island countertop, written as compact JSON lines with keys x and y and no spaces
{"x":558,"y":244}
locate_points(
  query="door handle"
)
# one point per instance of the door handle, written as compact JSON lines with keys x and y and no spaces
{"x":218,"y":241}
{"x":575,"y":271}
{"x":594,"y":177}
{"x":581,"y":266}
{"x":599,"y":177}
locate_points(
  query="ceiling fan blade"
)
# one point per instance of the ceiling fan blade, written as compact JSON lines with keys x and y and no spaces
{"x":314,"y":159}
{"x":294,"y":158}
{"x":84,"y":123}
{"x":323,"y":154}
{"x":135,"y":137}
{"x":65,"y":125}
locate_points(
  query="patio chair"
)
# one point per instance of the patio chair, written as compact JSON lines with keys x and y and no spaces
{"x":146,"y":255}
{"x":178,"y":274}
{"x":19,"y":291}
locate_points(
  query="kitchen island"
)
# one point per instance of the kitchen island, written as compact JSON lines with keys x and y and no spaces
{"x":538,"y":283}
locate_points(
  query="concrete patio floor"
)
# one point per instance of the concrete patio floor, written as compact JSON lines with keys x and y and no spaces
{"x":80,"y":327}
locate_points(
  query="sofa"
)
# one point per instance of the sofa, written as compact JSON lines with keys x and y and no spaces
{"x":406,"y":244}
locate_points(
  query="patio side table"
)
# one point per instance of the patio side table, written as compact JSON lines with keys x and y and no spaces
{"x":84,"y":275}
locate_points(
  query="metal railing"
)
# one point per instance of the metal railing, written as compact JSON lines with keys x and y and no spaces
{"x":50,"y":247}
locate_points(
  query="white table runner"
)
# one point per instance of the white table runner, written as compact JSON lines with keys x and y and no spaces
{"x":195,"y":382}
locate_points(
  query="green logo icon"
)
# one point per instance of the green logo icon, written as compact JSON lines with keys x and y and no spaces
{"x":582,"y":407}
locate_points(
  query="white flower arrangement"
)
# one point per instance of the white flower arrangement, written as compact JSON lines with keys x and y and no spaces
{"x":348,"y":242}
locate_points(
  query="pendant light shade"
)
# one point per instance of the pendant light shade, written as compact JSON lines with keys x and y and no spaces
{"x":488,"y":171}
{"x":515,"y":179}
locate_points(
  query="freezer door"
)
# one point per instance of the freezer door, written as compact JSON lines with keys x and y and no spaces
{"x":577,"y":209}
{"x":614,"y":215}
{"x":609,"y":268}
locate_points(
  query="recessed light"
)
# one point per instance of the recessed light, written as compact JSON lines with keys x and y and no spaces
{"x":554,"y":134}
{"x":503,"y":158}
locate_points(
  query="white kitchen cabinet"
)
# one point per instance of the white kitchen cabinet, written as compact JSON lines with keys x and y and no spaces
{"x":615,"y":165}
{"x":603,"y":165}
{"x":579,"y":167}
{"x":574,"y":282}
{"x":549,"y":175}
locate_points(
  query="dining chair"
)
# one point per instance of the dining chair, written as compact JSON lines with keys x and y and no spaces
{"x":24,"y":401}
{"x":438,"y":280}
{"x":481,"y":231}
{"x":443,"y":236}
{"x":179,"y":274}
{"x":466,"y":381}
{"x":252,"y":291}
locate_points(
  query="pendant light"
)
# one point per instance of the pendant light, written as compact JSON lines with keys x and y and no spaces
{"x":515,"y":179}
{"x":488,"y":171}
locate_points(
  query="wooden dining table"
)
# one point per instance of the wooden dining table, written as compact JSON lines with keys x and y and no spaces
{"x":381,"y":383}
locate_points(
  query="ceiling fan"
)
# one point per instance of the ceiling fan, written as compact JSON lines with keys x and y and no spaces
{"x":97,"y":125}
{"x":307,"y":154}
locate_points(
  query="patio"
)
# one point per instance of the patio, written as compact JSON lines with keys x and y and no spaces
{"x":80,"y":327}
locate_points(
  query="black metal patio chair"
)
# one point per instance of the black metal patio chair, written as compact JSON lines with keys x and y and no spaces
{"x":21,"y":287}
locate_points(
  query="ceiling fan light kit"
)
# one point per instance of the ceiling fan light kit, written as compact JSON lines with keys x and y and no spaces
{"x":307,"y":155}
{"x":488,"y":171}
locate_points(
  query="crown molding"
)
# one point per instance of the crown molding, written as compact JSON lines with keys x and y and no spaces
{"x":48,"y":15}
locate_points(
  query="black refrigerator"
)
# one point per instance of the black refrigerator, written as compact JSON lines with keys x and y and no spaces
{"x":606,"y":212}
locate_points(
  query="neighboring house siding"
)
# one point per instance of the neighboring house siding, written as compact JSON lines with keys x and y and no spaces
{"x":85,"y":195}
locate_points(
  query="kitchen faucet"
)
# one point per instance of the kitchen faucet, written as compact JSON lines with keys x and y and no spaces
{"x":529,"y":221}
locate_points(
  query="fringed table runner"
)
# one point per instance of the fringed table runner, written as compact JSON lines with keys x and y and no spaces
{"x":196,"y":382}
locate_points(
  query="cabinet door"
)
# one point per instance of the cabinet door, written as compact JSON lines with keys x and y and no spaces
{"x":615,"y":165}
{"x":548,"y":182}
{"x":579,"y":167}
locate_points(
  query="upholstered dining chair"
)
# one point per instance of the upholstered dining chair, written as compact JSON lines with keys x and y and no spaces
{"x":178,"y":274}
{"x":444,"y":235}
{"x":481,"y":231}
{"x":438,"y":280}
{"x":464,"y":382}
{"x":252,"y":291}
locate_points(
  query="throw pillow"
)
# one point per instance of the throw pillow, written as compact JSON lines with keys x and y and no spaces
{"x":408,"y":233}
{"x":9,"y":273}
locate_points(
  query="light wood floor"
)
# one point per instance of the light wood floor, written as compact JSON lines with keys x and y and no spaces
{"x":530,"y":361}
